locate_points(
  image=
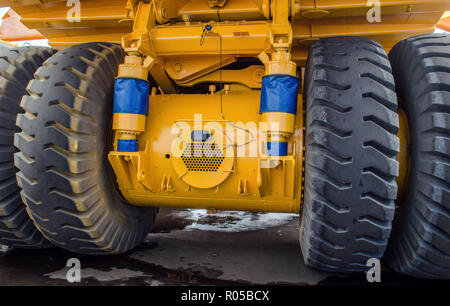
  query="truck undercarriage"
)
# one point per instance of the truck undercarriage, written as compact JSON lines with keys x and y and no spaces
{"x":336,"y":110}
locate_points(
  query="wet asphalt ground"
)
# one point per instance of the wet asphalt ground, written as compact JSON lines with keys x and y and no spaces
{"x":194,"y":248}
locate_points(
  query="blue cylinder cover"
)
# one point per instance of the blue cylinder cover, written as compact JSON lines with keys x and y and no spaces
{"x":277,"y":148}
{"x":279,"y":94}
{"x":127,"y":145}
{"x":131,"y":96}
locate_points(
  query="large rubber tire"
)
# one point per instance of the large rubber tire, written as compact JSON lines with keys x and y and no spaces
{"x":17,"y":66}
{"x":420,"y":243}
{"x":64,"y":172}
{"x":351,"y":148}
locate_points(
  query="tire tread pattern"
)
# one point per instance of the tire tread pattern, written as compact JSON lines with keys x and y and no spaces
{"x":17,"y":66}
{"x":420,"y":244}
{"x":351,"y":148}
{"x":63,"y":155}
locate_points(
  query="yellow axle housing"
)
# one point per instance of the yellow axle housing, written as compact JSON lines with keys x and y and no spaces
{"x":244,"y":179}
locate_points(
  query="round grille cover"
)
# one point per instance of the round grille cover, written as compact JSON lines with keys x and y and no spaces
{"x":202,"y":164}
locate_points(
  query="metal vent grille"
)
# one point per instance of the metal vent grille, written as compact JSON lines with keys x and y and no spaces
{"x":202,"y":156}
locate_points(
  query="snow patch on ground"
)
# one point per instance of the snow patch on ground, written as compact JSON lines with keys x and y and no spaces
{"x":439,"y":31}
{"x":233,"y":221}
{"x":152,"y":282}
{"x":102,"y":276}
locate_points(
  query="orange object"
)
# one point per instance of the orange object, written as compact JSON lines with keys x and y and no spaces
{"x":444,"y":24}
{"x":12,"y":29}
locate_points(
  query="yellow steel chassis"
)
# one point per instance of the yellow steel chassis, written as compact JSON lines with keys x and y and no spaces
{"x":171,"y":41}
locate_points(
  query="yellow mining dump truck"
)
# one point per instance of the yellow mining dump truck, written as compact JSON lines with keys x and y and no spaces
{"x":287,"y":106}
